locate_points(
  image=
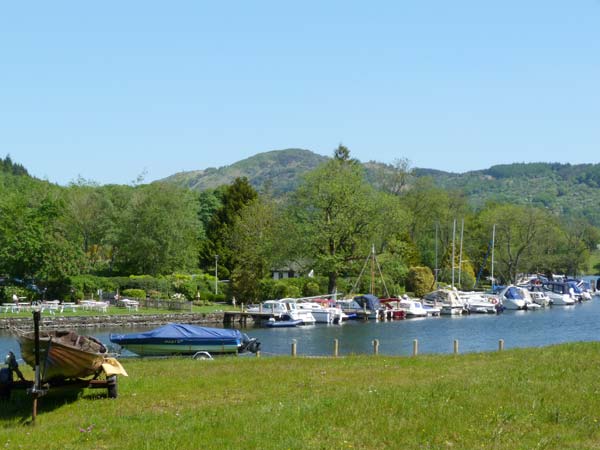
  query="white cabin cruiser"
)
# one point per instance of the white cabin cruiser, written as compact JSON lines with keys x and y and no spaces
{"x":559,"y":293}
{"x":447,"y":299}
{"x":512,"y":297}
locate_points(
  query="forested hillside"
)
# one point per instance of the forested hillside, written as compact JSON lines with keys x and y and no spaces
{"x":568,"y":190}
{"x":565,"y":189}
{"x":279,"y":171}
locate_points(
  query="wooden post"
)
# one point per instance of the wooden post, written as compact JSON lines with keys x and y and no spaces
{"x":258,"y":354}
{"x":501,"y":345}
{"x":415,"y":347}
{"x":294,"y":347}
{"x":376,"y":346}
{"x":455,"y":346}
{"x":243,"y":308}
{"x":336,"y":347}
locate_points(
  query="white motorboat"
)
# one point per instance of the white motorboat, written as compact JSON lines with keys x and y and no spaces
{"x":530,"y":305}
{"x":512,"y":297}
{"x":479,"y":303}
{"x":538,"y":295}
{"x":559,"y":293}
{"x":323,"y":314}
{"x":287,"y":307}
{"x":411,"y":307}
{"x":447,"y":300}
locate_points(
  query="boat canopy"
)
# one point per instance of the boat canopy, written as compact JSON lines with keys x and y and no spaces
{"x":179,"y":331}
{"x":368,"y":301}
{"x":513,"y":293}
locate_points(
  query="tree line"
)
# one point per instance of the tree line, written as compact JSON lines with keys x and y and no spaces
{"x":326,"y":227}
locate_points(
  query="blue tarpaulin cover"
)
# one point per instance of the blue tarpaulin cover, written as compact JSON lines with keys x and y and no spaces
{"x":179,"y":331}
{"x":368,"y":301}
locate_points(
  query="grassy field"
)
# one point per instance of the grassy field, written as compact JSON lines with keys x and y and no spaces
{"x":519,"y":399}
{"x":594,"y":261}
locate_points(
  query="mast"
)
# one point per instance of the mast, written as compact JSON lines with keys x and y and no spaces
{"x":436,"y":254}
{"x":373,"y":269}
{"x":453,"y":250}
{"x":493,"y":241}
{"x":462,"y":229}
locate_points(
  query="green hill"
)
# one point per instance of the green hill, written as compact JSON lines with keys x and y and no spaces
{"x":279,"y":171}
{"x":570,"y":190}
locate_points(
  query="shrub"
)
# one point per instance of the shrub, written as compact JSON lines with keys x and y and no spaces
{"x":311,"y":289}
{"x":134,"y":293}
{"x":420,"y":280}
{"x":7,"y":291}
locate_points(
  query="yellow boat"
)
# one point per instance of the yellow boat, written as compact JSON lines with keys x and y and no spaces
{"x":63,"y":354}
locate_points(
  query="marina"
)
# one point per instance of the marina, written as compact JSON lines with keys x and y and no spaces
{"x":474,"y":333}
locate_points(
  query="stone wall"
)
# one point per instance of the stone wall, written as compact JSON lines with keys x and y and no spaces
{"x":105,"y":320}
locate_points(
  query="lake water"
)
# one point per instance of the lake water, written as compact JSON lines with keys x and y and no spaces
{"x":475,"y":333}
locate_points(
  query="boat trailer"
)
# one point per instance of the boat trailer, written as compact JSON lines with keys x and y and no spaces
{"x":11,"y":379}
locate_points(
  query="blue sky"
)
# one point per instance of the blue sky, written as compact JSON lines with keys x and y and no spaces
{"x":112,"y":90}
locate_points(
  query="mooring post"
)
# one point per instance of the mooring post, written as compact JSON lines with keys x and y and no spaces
{"x":415,"y":347}
{"x":455,"y":346}
{"x":501,"y":345}
{"x":336,"y":347}
{"x":375,"y":346}
{"x":294,"y":347}
{"x":37,"y":380}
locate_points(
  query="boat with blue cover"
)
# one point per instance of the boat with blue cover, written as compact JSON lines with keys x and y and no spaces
{"x":185,"y":339}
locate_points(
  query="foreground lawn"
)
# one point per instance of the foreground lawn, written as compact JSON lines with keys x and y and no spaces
{"x":518,"y":399}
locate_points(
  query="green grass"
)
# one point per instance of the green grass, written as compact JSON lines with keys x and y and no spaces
{"x":519,"y":399}
{"x":594,"y":261}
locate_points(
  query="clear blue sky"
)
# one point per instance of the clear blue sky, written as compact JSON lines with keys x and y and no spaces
{"x":109,"y":90}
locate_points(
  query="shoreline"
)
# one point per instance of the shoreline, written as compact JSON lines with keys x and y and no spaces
{"x":105,"y":321}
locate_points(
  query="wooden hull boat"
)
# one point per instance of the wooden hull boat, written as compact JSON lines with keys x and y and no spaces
{"x":63,"y":354}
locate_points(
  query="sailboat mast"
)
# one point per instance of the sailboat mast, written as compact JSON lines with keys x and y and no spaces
{"x":436,"y":254}
{"x":462,"y":229}
{"x":453,"y":249}
{"x":493,"y":242}
{"x":373,"y":269}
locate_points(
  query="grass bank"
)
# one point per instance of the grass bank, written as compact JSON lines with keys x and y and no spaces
{"x":527,"y":398}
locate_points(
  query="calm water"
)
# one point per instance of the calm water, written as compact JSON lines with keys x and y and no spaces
{"x":475,"y":333}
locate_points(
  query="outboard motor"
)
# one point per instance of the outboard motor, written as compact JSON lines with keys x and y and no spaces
{"x":6,"y":375}
{"x":250,"y":345}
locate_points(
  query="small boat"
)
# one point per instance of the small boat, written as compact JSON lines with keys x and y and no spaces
{"x":512,"y":297}
{"x":184,"y":339}
{"x":559,"y":293}
{"x":63,"y":354}
{"x":285,"y":323}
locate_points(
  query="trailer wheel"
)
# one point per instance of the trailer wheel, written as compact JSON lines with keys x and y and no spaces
{"x":111,"y":386}
{"x":6,"y":380}
{"x":5,"y":393}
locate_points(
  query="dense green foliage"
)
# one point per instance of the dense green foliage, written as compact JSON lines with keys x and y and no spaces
{"x":165,"y":240}
{"x":518,"y":399}
{"x":420,"y":280}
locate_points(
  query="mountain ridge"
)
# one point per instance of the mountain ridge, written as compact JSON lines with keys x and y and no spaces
{"x":566,"y":189}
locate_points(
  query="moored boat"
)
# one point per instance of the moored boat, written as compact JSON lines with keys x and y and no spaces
{"x":184,"y":339}
{"x":63,"y":354}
